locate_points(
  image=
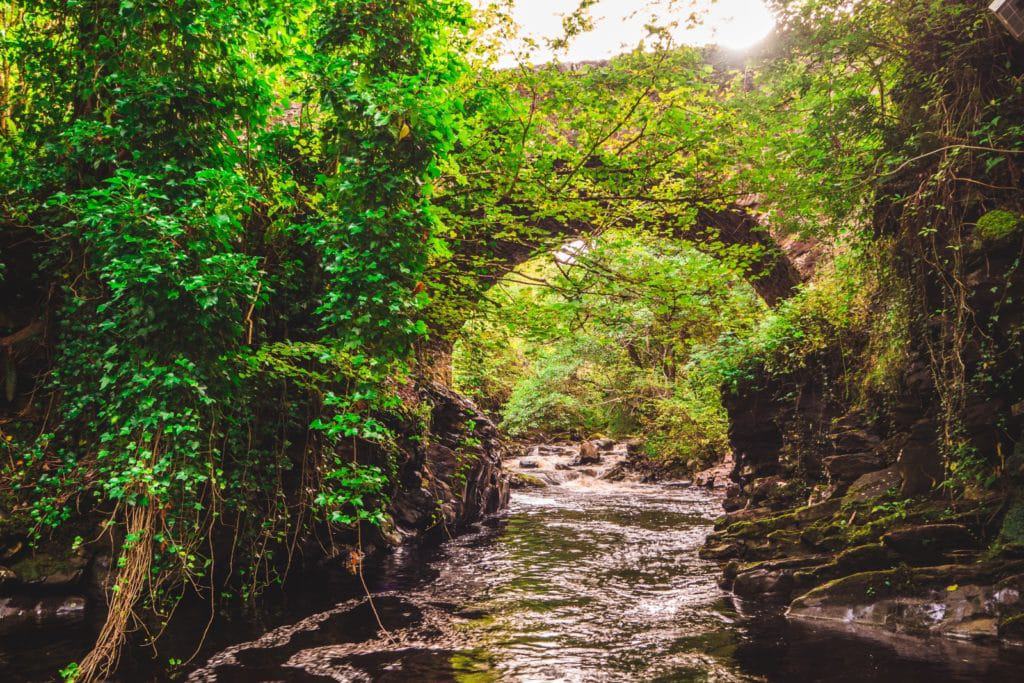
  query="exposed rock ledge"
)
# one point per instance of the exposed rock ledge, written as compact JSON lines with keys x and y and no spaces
{"x":949,"y":600}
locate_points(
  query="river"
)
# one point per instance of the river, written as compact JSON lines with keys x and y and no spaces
{"x":587,"y":581}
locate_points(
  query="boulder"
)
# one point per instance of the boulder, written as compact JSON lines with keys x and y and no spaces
{"x":733,"y":503}
{"x":529,"y":464}
{"x":952,"y":600}
{"x":557,"y":478}
{"x":520,"y":480}
{"x":919,"y":462}
{"x":745,"y":515}
{"x":716,"y":477}
{"x":721,"y":551}
{"x":764,"y":584}
{"x":872,"y":485}
{"x":50,"y":569}
{"x":589,"y":454}
{"x":414,"y":509}
{"x":634,"y":448}
{"x":548,"y":451}
{"x":774,"y":492}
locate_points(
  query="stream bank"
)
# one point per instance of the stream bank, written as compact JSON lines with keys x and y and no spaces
{"x":584,"y":580}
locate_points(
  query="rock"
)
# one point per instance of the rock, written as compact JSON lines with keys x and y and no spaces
{"x":549,"y":451}
{"x":854,"y":441}
{"x":928,"y":543}
{"x":50,"y":569}
{"x":589,"y":454}
{"x":873,"y":485}
{"x":812,"y":513}
{"x":21,"y":613}
{"x":774,"y":492}
{"x":733,"y":503}
{"x":520,"y":480}
{"x":634,"y":448}
{"x":844,"y":468}
{"x":413,"y":509}
{"x":716,"y":477}
{"x":604,"y":445}
{"x":745,"y":515}
{"x":102,"y":572}
{"x":11,"y":547}
{"x":1012,"y":629}
{"x":721,"y":551}
{"x":956,"y":601}
{"x":763,"y":584}
{"x":862,"y":558}
{"x":529,"y":464}
{"x":821,"y":493}
{"x":462,"y":465}
{"x":919,"y":462}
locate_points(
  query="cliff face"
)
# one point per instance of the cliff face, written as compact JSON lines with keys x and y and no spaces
{"x":852,"y":511}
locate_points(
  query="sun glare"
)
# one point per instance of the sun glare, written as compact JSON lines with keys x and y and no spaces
{"x":739,"y":24}
{"x":619,"y":25}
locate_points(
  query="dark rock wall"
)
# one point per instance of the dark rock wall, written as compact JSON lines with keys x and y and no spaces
{"x":459,"y":466}
{"x":836,"y":503}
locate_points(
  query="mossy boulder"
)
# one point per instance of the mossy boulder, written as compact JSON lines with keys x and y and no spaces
{"x":50,"y":567}
{"x":521,"y":480}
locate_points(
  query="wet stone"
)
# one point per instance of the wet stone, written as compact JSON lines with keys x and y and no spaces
{"x":21,"y":613}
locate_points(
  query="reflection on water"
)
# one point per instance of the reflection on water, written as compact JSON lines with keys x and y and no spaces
{"x":583,"y":582}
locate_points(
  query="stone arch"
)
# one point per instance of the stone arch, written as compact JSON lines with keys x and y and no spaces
{"x":774,"y":276}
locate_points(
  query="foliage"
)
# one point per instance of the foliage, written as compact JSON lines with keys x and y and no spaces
{"x":232,"y":207}
{"x":243,"y":219}
{"x":606,"y":329}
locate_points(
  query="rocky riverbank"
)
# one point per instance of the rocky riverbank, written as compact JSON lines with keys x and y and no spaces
{"x":841,"y":518}
{"x":452,"y":478}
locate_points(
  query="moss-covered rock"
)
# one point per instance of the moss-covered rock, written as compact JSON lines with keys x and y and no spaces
{"x":998,"y":225}
{"x":521,"y":480}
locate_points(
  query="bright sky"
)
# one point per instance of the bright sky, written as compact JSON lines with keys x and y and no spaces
{"x":619,"y":24}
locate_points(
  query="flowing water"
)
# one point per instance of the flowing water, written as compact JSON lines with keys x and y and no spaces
{"x":588,"y":581}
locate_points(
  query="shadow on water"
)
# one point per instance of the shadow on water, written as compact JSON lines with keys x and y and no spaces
{"x":583,"y":582}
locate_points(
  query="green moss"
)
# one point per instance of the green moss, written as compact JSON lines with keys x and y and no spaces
{"x":998,"y":224}
{"x":527,"y":481}
{"x":762,"y":527}
{"x":1012,"y":530}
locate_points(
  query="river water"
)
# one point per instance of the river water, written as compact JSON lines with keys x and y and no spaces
{"x":588,"y":581}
